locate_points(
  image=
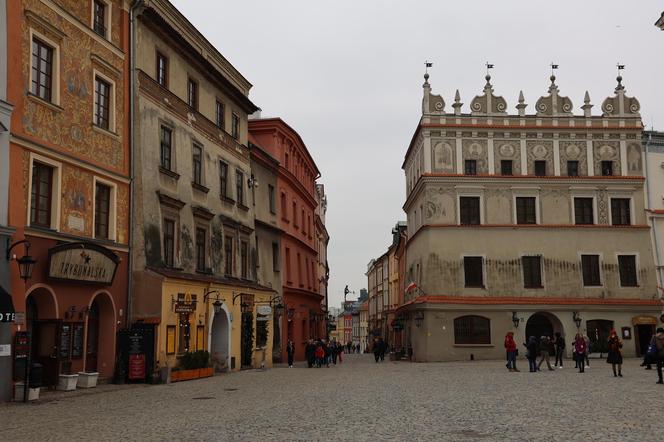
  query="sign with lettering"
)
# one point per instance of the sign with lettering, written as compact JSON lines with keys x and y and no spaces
{"x":264,"y":310}
{"x":136,"y":367}
{"x":7,"y":317}
{"x":83,"y":262}
{"x":185,"y":307}
{"x":65,"y":341}
{"x":6,"y":306}
{"x":77,"y":341}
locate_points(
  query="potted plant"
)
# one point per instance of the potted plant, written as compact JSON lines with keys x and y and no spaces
{"x":87,"y":379}
{"x":67,"y":381}
{"x":193,"y":365}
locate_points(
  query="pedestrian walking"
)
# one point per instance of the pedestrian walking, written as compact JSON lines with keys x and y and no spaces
{"x":383,"y":349}
{"x":310,"y":353}
{"x":659,"y":356}
{"x":334,"y":351}
{"x":560,"y":350}
{"x":580,"y":350}
{"x":545,"y":342}
{"x":586,"y":355}
{"x":531,"y":354}
{"x":319,"y":354}
{"x":290,"y":350}
{"x":615,"y":353}
{"x":376,"y":350}
{"x":510,"y":351}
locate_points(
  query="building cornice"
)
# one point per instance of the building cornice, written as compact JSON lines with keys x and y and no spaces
{"x":509,"y":302}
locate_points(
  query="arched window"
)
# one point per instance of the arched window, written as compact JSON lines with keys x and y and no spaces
{"x":472,"y":330}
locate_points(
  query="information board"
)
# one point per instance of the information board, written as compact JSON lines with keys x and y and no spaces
{"x":65,"y":341}
{"x":77,"y":342}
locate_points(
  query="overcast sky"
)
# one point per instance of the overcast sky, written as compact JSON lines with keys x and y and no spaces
{"x":347,"y":75}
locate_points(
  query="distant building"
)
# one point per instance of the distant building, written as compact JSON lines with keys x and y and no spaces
{"x":364,"y":325}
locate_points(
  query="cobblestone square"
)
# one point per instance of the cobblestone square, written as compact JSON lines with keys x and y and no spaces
{"x":361,"y":400}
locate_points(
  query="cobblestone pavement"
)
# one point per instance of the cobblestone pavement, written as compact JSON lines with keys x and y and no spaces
{"x":361,"y":400}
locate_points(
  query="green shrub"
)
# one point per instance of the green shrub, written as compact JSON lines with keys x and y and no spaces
{"x":194,"y":360}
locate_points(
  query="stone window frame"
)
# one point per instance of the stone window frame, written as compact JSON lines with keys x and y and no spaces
{"x":484,"y":285}
{"x":601,"y":273}
{"x":583,"y":193}
{"x":624,"y":196}
{"x":173,"y":213}
{"x":108,"y":11}
{"x":229,"y":238}
{"x":455,"y":324}
{"x":201,"y":224}
{"x":470,"y":192}
{"x":111,"y":105}
{"x":112,"y":207}
{"x":55,"y":68}
{"x":161,"y":123}
{"x":159,"y":55}
{"x":56,"y":188}
{"x":637,"y":262}
{"x":524,"y":192}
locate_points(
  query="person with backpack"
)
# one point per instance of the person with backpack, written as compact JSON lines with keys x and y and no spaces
{"x":531,"y":347}
{"x":560,"y":350}
{"x":659,"y":356}
{"x":615,"y":353}
{"x":545,"y":342}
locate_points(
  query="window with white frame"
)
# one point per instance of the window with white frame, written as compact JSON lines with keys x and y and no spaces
{"x":103,"y":103}
{"x":44,"y":192}
{"x":44,"y":68}
{"x":101,"y":18}
{"x":104,"y":210}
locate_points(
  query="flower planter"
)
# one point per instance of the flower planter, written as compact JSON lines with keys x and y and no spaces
{"x":87,"y":380}
{"x":33,"y":393}
{"x":67,"y":382}
{"x":187,"y":375}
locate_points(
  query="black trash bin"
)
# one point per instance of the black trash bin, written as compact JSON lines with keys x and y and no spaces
{"x":36,"y":375}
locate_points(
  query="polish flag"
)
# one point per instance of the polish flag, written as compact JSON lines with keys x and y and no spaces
{"x":411,"y":286}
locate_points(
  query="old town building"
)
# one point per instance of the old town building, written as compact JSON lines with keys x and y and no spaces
{"x":296,"y":209}
{"x":378,"y":287}
{"x":364,"y":326}
{"x":322,"y":241}
{"x":653,"y":149}
{"x":69,"y":170}
{"x":194,"y":261}
{"x":532,"y":223}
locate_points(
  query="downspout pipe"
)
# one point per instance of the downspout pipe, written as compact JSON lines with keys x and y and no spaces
{"x":658,"y":270}
{"x":133,"y":12}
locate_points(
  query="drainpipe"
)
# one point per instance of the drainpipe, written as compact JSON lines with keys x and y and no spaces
{"x":133,"y":12}
{"x":653,"y":219}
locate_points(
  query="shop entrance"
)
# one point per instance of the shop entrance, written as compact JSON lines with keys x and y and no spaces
{"x":644,"y":333}
{"x":92,"y":347}
{"x":247,"y":340}
{"x":219,"y":341}
{"x":598,"y":334}
{"x":44,"y":329}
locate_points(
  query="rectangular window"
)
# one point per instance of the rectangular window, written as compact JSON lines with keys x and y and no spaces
{"x":170,"y":339}
{"x":235,"y":130}
{"x":472,"y":269}
{"x":526,"y":211}
{"x":239,"y":187}
{"x":228,"y":255}
{"x":506,"y":167}
{"x":99,"y":15}
{"x":275,"y":256}
{"x":244,"y":258}
{"x":299,"y":270}
{"x":162,"y":70}
{"x":219,"y":114}
{"x":295,"y":214}
{"x":590,"y":267}
{"x":192,"y":94}
{"x":583,"y":211}
{"x":572,"y":168}
{"x":223,"y":179}
{"x":288,"y":266}
{"x":286,"y":161}
{"x":607,"y":168}
{"x":303,"y":223}
{"x":169,"y":242}
{"x":284,"y":207}
{"x":201,"y":235}
{"x":620,"y":215}
{"x":102,"y":103}
{"x":469,"y":210}
{"x":200,"y":337}
{"x":470,"y":167}
{"x":540,"y":168}
{"x":532,"y":272}
{"x":627,"y":267}
{"x":42,"y":194}
{"x":271,"y":199}
{"x":102,"y":210}
{"x":165,"y":140}
{"x":42,"y":69}
{"x":197,"y":159}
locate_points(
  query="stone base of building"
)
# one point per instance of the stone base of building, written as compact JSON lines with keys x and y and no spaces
{"x":437,"y":331}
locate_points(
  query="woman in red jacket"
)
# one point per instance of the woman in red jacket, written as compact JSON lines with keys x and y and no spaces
{"x":510,"y":349}
{"x":320,"y":355}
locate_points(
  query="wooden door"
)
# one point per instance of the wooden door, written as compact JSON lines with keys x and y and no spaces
{"x":46,"y":349}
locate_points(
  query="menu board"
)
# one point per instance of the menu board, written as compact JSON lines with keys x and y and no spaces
{"x":77,"y":342}
{"x":136,"y":367}
{"x":136,"y":344}
{"x":65,"y":341}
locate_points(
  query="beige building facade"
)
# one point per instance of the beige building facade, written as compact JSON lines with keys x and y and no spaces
{"x":526,"y":222}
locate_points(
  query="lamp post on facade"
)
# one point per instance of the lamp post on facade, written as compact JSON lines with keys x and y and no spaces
{"x":217,"y":304}
{"x":577,"y":319}
{"x":515,"y":320}
{"x":26,"y":263}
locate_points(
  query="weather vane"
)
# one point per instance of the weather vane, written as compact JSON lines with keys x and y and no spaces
{"x":427,"y":65}
{"x":488,"y":66}
{"x":620,"y":67}
{"x":553,"y":67}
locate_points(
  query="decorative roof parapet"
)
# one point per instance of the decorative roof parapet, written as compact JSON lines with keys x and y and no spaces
{"x":621,"y":105}
{"x":554,"y":104}
{"x":457,"y":103}
{"x":587,"y":106}
{"x":521,"y":107}
{"x":431,"y":104}
{"x":488,"y":104}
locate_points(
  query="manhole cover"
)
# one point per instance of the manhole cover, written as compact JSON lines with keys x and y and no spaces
{"x":230,"y":389}
{"x":202,"y":398}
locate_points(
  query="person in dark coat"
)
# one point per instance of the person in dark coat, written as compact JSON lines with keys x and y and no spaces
{"x":531,"y":347}
{"x":658,"y":342}
{"x":310,"y":353}
{"x":615,"y":353}
{"x":560,"y":350}
{"x":290,"y":350}
{"x":580,"y":350}
{"x":376,"y":349}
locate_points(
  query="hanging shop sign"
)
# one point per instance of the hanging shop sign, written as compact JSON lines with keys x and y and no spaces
{"x":7,"y":313}
{"x":264,"y":310}
{"x":82,"y":262}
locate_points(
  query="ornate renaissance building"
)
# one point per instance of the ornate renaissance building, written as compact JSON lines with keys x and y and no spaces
{"x":526,"y":222}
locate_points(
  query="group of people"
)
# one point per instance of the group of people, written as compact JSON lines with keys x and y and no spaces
{"x":318,"y":353}
{"x":545,"y":346}
{"x":380,"y":347}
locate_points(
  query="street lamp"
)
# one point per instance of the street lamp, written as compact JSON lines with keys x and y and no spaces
{"x":419,"y":317}
{"x":26,"y":263}
{"x":217,"y":304}
{"x":515,"y":320}
{"x":577,"y":319}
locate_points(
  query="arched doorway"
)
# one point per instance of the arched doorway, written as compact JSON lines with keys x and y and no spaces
{"x":220,"y":341}
{"x":44,"y":328}
{"x":543,"y":324}
{"x":100,"y":335}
